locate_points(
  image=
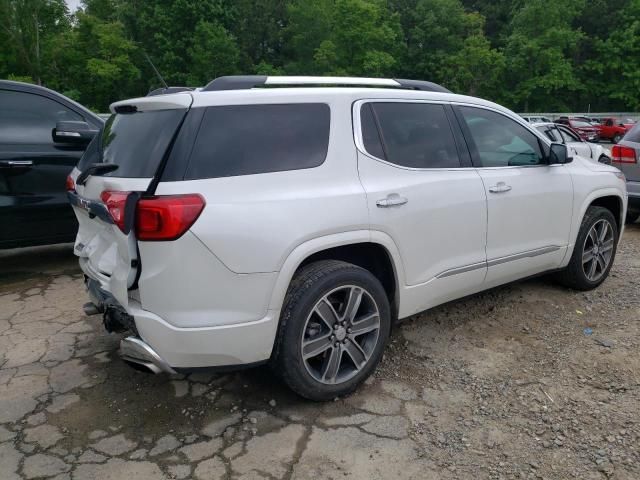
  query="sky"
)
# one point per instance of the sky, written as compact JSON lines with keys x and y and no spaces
{"x":72,"y":4}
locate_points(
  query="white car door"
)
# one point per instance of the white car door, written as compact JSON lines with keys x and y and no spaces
{"x":423,"y":192}
{"x":529,"y":202}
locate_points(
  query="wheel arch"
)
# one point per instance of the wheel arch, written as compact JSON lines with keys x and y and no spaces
{"x":372,"y":250}
{"x":610,"y":198}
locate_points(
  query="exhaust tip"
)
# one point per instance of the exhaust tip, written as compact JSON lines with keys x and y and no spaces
{"x":141,"y":356}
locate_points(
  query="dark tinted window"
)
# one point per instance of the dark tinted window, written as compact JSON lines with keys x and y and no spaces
{"x":135,"y":142}
{"x":249,"y":139}
{"x":370,"y":135}
{"x":27,"y":118}
{"x":499,"y":140}
{"x":633,"y":135}
{"x":416,"y":135}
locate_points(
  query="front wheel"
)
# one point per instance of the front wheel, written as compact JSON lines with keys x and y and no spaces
{"x":594,"y":251}
{"x":616,"y":138}
{"x":333,"y":328}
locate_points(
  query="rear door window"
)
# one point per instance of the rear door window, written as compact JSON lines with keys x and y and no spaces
{"x":250,"y":139}
{"x":415,"y":135}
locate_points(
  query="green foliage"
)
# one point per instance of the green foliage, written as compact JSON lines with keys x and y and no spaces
{"x":526,"y":54}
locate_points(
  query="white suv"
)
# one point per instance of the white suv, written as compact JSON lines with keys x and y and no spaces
{"x":294,"y":219}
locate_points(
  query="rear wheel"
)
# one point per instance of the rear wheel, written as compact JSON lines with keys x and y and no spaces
{"x":333,"y":328}
{"x":616,"y":138}
{"x":594,"y":251}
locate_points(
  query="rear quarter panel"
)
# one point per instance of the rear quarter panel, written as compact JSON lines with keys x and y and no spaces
{"x":251,"y":223}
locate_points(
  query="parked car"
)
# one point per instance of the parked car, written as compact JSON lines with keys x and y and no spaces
{"x":536,"y":119}
{"x":42,"y":136}
{"x":612,"y":129}
{"x":577,"y":146}
{"x":584,"y":129}
{"x":625,"y":156}
{"x":238,"y":225}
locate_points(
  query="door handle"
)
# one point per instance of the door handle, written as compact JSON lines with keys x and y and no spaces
{"x":16,"y":163}
{"x":500,"y":187}
{"x":392,"y":200}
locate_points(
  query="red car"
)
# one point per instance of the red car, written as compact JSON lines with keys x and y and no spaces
{"x":587,"y":131}
{"x":613,"y":129}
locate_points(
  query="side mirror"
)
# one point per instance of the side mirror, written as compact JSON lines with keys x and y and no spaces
{"x":559,"y":154}
{"x":74,"y":132}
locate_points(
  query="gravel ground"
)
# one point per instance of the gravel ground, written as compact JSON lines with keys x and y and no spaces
{"x":525,"y":381}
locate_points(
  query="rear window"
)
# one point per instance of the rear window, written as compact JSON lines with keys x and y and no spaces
{"x":633,"y":135}
{"x":250,"y":139}
{"x":135,"y":142}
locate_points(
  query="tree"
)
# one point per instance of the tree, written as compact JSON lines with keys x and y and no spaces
{"x":343,"y":37}
{"x":541,"y":52}
{"x":213,"y":53}
{"x":27,"y":26}
{"x":447,"y":45}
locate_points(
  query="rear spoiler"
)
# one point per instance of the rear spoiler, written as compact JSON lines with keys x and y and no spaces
{"x":170,"y":101}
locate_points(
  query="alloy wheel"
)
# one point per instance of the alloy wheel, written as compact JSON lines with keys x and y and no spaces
{"x":340,"y":334}
{"x":597,"y":250}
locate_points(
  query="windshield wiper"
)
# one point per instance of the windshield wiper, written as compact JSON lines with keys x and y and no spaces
{"x":95,"y":169}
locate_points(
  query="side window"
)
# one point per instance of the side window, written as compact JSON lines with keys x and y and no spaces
{"x":609,"y":123}
{"x":568,"y":135}
{"x":249,"y":139}
{"x":27,"y":118}
{"x":416,"y":135}
{"x":499,"y":140}
{"x":370,"y":134}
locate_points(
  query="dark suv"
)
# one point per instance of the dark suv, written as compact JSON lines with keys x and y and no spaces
{"x":43,"y":134}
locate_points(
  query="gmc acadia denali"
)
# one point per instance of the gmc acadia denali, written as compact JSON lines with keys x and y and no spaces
{"x":292,"y":220}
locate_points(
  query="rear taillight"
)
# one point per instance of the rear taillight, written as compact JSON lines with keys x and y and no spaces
{"x":70,"y":185}
{"x":115,"y":203}
{"x":622,"y":154}
{"x":168,"y":217}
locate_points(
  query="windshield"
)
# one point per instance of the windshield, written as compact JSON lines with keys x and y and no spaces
{"x":135,"y":142}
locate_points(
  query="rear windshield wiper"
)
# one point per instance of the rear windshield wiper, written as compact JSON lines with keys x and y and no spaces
{"x":95,"y":169}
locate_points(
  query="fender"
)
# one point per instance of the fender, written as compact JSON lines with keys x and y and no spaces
{"x":315,"y":245}
{"x":579,"y":215}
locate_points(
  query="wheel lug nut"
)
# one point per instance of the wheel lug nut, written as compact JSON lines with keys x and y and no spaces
{"x":344,"y":342}
{"x":349,"y":330}
{"x":333,"y":337}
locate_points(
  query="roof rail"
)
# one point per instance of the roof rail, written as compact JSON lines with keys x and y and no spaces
{"x":167,"y":90}
{"x":243,"y":82}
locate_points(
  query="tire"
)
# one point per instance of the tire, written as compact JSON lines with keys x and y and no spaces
{"x":616,"y":138}
{"x":632,"y":216}
{"x":576,"y":274}
{"x":302,"y":327}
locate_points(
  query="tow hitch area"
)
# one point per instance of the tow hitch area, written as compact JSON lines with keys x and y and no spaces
{"x":114,"y":317}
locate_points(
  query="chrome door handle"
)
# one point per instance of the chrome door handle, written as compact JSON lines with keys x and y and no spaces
{"x":392,"y":200}
{"x":500,"y":187}
{"x":16,"y":163}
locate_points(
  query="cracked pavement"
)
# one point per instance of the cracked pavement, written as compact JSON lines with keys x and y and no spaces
{"x":505,"y":384}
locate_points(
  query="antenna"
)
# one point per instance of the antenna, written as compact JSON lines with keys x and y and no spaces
{"x":155,"y":70}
